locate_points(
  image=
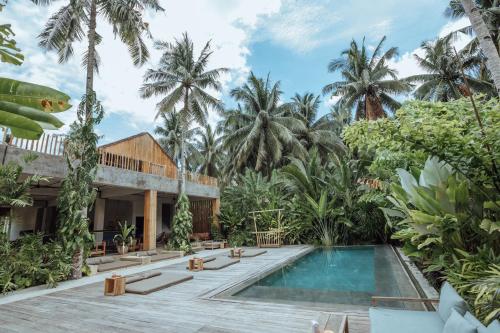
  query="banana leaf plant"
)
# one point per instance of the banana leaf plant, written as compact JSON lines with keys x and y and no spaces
{"x":27,"y":108}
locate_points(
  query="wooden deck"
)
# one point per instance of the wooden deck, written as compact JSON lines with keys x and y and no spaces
{"x":186,"y":307}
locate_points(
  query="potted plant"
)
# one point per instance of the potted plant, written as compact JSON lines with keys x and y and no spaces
{"x":124,"y":237}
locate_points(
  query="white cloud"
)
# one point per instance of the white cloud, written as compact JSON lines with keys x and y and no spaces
{"x":380,"y":29}
{"x":228,"y":24}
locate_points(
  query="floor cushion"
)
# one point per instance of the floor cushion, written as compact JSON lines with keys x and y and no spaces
{"x":449,"y":299}
{"x":404,"y":321}
{"x":456,"y":323}
{"x":116,"y":265}
{"x":473,"y":320}
{"x":156,"y":283}
{"x":141,"y":276}
{"x":219,"y":263}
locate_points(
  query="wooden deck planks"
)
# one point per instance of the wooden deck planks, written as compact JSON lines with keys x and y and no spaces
{"x":180,"y":308}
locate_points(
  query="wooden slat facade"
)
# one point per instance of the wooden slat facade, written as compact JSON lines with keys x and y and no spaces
{"x":202,"y":215}
{"x":144,"y":148}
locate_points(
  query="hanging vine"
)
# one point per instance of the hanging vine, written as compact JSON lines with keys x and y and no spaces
{"x":77,"y":193}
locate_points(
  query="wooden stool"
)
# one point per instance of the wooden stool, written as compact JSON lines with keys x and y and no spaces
{"x":195,"y":264}
{"x":236,"y":252}
{"x":114,"y":286}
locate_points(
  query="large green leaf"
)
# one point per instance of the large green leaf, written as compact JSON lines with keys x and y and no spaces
{"x":33,"y":95}
{"x":20,"y":126}
{"x":44,"y":119}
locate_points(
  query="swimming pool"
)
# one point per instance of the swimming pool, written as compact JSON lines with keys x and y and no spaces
{"x":341,"y":276}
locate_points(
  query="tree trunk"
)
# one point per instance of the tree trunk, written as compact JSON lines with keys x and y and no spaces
{"x":373,"y":108}
{"x":184,"y":127}
{"x":485,"y":40}
{"x":89,"y":88}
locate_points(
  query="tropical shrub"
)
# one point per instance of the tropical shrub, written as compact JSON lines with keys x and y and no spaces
{"x":28,"y":262}
{"x":182,"y":226}
{"x":250,"y":192}
{"x":449,"y":131}
{"x":451,"y":229}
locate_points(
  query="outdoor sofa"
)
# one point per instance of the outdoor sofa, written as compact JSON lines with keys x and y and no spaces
{"x":451,"y":317}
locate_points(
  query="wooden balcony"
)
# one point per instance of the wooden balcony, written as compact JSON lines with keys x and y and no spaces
{"x":53,"y":144}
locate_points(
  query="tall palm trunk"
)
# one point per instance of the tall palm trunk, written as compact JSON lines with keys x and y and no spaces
{"x":485,"y":40}
{"x":89,"y":88}
{"x":373,"y":108}
{"x":77,"y":259}
{"x":184,"y":125}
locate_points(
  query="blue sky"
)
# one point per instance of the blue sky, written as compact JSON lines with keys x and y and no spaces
{"x":292,"y":39}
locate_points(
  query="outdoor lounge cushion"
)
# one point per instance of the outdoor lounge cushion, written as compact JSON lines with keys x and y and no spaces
{"x":449,"y":299}
{"x":474,"y":321}
{"x":458,"y":324}
{"x":251,"y":253}
{"x":141,"y":276}
{"x":99,"y":260}
{"x":493,"y":327}
{"x":116,"y":265}
{"x":163,"y":256}
{"x":403,"y":321}
{"x":156,"y":283}
{"x":219,"y":263}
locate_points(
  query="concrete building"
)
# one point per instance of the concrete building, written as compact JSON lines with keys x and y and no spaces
{"x":136,"y":182}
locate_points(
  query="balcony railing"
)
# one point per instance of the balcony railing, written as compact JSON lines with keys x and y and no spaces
{"x":53,"y":144}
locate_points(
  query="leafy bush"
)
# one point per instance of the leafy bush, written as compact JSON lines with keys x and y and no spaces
{"x":182,"y":226}
{"x":250,"y":192}
{"x":420,"y":129}
{"x":28,"y":262}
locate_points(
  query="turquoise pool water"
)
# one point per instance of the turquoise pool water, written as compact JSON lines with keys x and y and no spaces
{"x":345,"y":275}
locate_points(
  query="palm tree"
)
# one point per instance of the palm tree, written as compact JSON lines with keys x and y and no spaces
{"x":262,"y":129}
{"x":180,"y":78}
{"x":486,"y":38}
{"x":444,"y":80}
{"x":170,"y":132}
{"x":368,"y":82}
{"x":318,"y":132}
{"x":340,"y":117}
{"x":68,"y":25}
{"x":208,"y":147}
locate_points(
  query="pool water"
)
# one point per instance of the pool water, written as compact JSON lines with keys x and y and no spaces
{"x":343,"y":275}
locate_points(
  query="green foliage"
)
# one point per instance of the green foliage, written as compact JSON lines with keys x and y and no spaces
{"x":250,"y":192}
{"x":77,"y":194}
{"x":477,"y":278}
{"x":182,"y":226}
{"x":26,"y":107}
{"x":29,"y":262}
{"x":440,"y":219}
{"x":420,"y":129}
{"x":9,"y":52}
{"x":124,"y":236}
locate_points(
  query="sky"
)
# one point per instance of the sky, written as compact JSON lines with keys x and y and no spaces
{"x":291,"y":40}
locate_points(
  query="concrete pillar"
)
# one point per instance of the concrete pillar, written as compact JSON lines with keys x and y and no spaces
{"x":150,"y":204}
{"x":99,"y":207}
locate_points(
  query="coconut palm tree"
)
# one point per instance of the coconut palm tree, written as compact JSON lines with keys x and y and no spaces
{"x":170,"y":134}
{"x":69,"y":23}
{"x":340,"y":117}
{"x":485,"y":38}
{"x":208,"y":147}
{"x":444,"y":80}
{"x":368,"y":83}
{"x":180,"y":78}
{"x":485,"y":21}
{"x":262,"y":130}
{"x":318,"y":131}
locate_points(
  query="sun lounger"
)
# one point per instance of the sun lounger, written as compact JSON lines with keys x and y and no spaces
{"x":105,"y":264}
{"x":250,"y":253}
{"x":219,"y":263}
{"x":157,"y":256}
{"x":141,"y":276}
{"x":152,"y":284}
